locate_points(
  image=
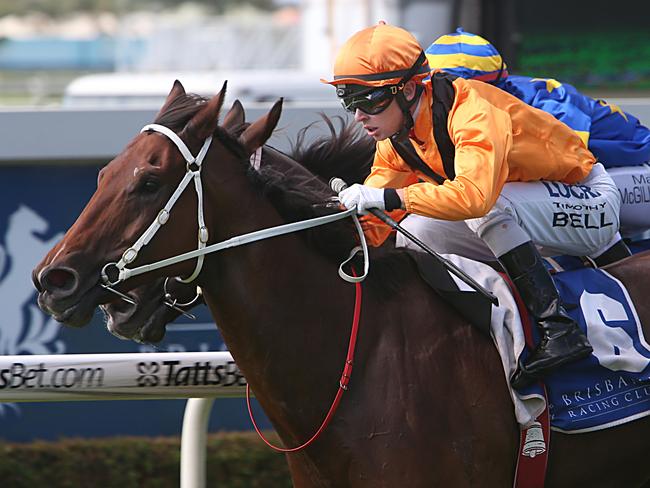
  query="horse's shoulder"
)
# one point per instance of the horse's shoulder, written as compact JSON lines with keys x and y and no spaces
{"x":418,"y":289}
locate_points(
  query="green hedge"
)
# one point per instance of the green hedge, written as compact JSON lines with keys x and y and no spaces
{"x":612,"y":59}
{"x":234,"y":460}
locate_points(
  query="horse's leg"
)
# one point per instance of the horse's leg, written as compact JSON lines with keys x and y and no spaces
{"x":300,"y":477}
{"x":304,"y":473}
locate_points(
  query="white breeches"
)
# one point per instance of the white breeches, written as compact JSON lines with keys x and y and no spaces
{"x":578,"y":220}
{"x":633,"y":183}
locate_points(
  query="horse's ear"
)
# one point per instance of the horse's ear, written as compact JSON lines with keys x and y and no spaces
{"x":205,"y":122}
{"x":235,"y":116}
{"x":176,"y":91}
{"x":259,"y":131}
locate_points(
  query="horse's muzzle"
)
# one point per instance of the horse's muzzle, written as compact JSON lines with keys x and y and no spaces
{"x":61,"y":296}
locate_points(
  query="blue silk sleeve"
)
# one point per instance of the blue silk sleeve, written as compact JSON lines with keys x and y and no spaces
{"x":560,"y":100}
{"x":615,"y":137}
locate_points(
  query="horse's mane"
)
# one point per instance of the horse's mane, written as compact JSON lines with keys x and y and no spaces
{"x":292,"y":189}
{"x":296,"y":186}
{"x":297,"y":194}
{"x":180,"y":110}
{"x":346,"y":153}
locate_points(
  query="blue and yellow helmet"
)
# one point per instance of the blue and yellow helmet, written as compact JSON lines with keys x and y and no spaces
{"x":468,"y":56}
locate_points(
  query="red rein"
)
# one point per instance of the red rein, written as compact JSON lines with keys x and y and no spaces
{"x":343,"y":382}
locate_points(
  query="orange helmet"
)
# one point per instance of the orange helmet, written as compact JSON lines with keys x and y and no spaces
{"x":380,"y":55}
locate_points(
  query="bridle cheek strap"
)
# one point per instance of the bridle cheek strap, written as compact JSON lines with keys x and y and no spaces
{"x":193,"y":172}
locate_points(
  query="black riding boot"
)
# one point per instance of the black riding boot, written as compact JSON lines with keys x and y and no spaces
{"x":562,"y":339}
{"x":615,"y":253}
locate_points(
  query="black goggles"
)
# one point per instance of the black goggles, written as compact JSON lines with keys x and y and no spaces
{"x":372,"y":101}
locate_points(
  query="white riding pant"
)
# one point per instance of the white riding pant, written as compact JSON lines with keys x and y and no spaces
{"x":578,"y":220}
{"x":633,"y":183}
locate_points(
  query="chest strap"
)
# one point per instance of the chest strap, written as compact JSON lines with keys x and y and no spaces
{"x":443,"y":98}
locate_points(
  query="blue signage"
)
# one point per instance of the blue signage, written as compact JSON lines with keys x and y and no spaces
{"x":37,"y":205}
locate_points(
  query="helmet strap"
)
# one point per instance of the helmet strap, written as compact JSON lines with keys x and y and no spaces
{"x":500,"y":74}
{"x":406,"y":105}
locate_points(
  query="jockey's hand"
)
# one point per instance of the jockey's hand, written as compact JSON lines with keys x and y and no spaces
{"x":364,"y":197}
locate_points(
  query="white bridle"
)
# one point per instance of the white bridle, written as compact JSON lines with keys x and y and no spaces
{"x":193,"y":172}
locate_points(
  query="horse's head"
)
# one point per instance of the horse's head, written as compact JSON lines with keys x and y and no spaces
{"x":163,"y":300}
{"x":344,"y":152}
{"x":131,"y":191}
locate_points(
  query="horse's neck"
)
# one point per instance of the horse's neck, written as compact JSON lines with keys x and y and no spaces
{"x":283,"y":316}
{"x":281,"y":308}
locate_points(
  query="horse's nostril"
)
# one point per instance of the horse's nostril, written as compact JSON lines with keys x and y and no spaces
{"x":60,"y":279}
{"x":36,"y":282}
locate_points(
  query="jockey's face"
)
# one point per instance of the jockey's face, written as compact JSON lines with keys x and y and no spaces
{"x":386,"y":123}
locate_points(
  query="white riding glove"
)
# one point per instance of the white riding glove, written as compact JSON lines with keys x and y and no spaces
{"x":364,"y":197}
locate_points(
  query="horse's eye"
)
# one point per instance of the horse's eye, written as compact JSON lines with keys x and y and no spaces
{"x":150,"y":186}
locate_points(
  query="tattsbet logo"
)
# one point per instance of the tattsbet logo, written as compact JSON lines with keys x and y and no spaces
{"x":176,"y":373}
{"x":20,"y":375}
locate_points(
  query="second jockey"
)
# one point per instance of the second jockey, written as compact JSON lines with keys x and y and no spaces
{"x":481,"y":174}
{"x":617,"y":139}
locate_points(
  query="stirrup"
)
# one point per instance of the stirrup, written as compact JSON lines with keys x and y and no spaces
{"x":523,"y":376}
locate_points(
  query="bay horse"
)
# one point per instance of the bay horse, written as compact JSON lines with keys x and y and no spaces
{"x":345,"y":152}
{"x":427,"y":404}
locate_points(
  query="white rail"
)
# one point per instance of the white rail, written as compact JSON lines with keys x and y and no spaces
{"x":199,"y":376}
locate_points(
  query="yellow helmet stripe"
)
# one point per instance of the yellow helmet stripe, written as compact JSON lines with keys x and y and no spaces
{"x":462,"y":39}
{"x":444,"y":61}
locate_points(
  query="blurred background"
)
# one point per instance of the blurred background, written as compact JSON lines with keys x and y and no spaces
{"x":79,"y":78}
{"x":46,"y":46}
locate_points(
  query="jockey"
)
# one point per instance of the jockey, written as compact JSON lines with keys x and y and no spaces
{"x":617,"y":139}
{"x":493,"y":177}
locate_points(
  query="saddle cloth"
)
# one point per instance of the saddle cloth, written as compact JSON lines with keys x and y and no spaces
{"x":610,"y":387}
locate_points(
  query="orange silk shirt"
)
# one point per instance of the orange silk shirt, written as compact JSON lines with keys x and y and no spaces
{"x":497,"y":137}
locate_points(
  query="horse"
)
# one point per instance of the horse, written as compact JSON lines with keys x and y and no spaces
{"x":159,"y":303}
{"x":427,"y":403}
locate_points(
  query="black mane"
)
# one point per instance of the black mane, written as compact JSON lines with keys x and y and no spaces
{"x":297,"y":194}
{"x":180,"y":110}
{"x":296,"y":185}
{"x":302,"y":191}
{"x":346,"y":153}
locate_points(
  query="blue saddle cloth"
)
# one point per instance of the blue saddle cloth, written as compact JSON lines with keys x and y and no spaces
{"x":612,"y":386}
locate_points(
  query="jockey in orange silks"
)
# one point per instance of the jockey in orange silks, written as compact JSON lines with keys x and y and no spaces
{"x":480,"y":174}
